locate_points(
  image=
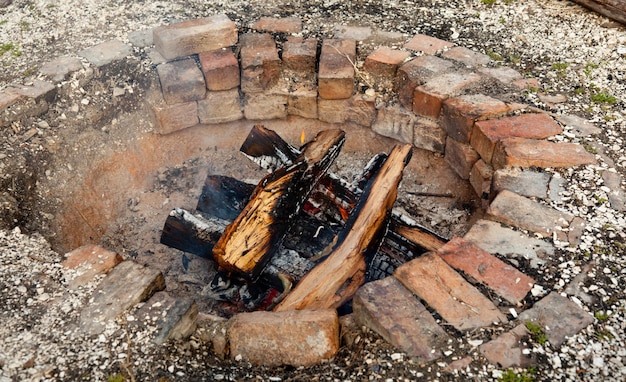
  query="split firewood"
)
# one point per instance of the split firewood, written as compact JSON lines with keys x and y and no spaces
{"x":613,"y":9}
{"x":248,"y":242}
{"x":335,"y":280}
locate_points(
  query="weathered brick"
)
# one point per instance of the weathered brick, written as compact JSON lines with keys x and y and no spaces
{"x":466,"y":56}
{"x":106,"y":52}
{"x":502,"y":278}
{"x":352,"y":32}
{"x":181,"y":81}
{"x":395,"y":122}
{"x":297,"y":338}
{"x":383,"y":63}
{"x":265,"y":106}
{"x":527,"y":83}
{"x":480,"y":178}
{"x":444,"y":290}
{"x":494,"y":238}
{"x":503,"y":74}
{"x":278,"y":25}
{"x":220,"y":107}
{"x":460,"y":113}
{"x":487,"y":134}
{"x":428,"y":135}
{"x":416,"y":72}
{"x":300,"y":54}
{"x":61,"y":67}
{"x":336,"y":72}
{"x":141,"y":38}
{"x":427,"y":44}
{"x":260,"y":64}
{"x":510,"y":208}
{"x":428,"y":98}
{"x":390,"y":309}
{"x":558,"y":316}
{"x":507,"y":350}
{"x":355,"y":109}
{"x":90,"y":261}
{"x":195,"y":36}
{"x":173,"y":318}
{"x":220,"y":68}
{"x":125,"y":286}
{"x":524,"y":152}
{"x":302,"y":101}
{"x":523,"y":182}
{"x":461,"y":157}
{"x":170,"y":118}
{"x":213,"y":330}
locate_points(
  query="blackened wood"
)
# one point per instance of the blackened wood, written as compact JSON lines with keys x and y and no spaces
{"x":267,"y":149}
{"x":335,"y":280}
{"x":248,"y":242}
{"x":613,"y":9}
{"x":224,"y":197}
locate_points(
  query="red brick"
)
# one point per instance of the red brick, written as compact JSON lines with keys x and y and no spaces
{"x":384,"y":61}
{"x":416,"y":72}
{"x":356,"y":109}
{"x":336,"y":71}
{"x":260,"y":65}
{"x":280,"y":25}
{"x":170,"y":118}
{"x":195,"y":36}
{"x":480,"y":178}
{"x":487,"y":134}
{"x":389,"y":309}
{"x":507,"y":350}
{"x":428,"y":98}
{"x":181,"y":81}
{"x":526,"y":153}
{"x":427,"y":44}
{"x":296,"y":338}
{"x":460,"y":113}
{"x":220,"y":68}
{"x":527,"y":83}
{"x":220,"y":107}
{"x":503,"y":74}
{"x":444,"y":290}
{"x":302,"y":101}
{"x":428,"y":135}
{"x":506,"y":281}
{"x":395,"y":122}
{"x":466,"y":56}
{"x":90,"y":261}
{"x":300,"y":54}
{"x":461,"y":157}
{"x":265,"y":106}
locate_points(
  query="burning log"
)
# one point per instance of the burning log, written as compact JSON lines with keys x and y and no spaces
{"x":259,"y":228}
{"x":335,"y":280}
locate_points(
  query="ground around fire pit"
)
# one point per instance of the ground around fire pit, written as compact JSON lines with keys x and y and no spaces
{"x":90,"y":140}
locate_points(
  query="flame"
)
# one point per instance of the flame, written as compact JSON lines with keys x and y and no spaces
{"x":302,"y":137}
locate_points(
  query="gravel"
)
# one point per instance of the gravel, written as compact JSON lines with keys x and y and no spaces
{"x":579,"y":58}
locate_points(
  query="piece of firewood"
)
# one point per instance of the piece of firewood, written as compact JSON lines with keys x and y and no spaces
{"x":335,"y":280}
{"x":613,"y":9}
{"x":251,"y":238}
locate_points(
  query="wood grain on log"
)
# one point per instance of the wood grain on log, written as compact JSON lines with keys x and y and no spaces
{"x":335,"y":280}
{"x":613,"y":9}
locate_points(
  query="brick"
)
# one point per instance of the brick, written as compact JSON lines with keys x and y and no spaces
{"x":356,"y":109}
{"x":461,"y":157}
{"x":265,"y":106}
{"x":555,"y":187}
{"x":523,"y":182}
{"x":171,"y":118}
{"x":90,"y":261}
{"x":260,"y":64}
{"x":302,"y":101}
{"x":181,"y":81}
{"x":16,"y":105}
{"x":220,"y":68}
{"x":512,"y":209}
{"x":428,"y":135}
{"x":526,"y":83}
{"x":388,"y":308}
{"x":466,"y":56}
{"x":300,"y":54}
{"x":213,"y":330}
{"x":428,"y":98}
{"x":444,"y":290}
{"x":487,"y":134}
{"x":502,"y":278}
{"x":460,"y":113}
{"x":427,"y":44}
{"x":195,"y":36}
{"x":352,"y":32}
{"x":559,"y":318}
{"x":581,"y":127}
{"x":278,"y":25}
{"x":106,"y":52}
{"x":39,"y":91}
{"x":220,"y":107}
{"x":60,"y":68}
{"x":125,"y":286}
{"x":480,"y":178}
{"x":172,"y":318}
{"x":336,"y":72}
{"x":524,"y":152}
{"x":416,"y":72}
{"x":383,"y":63}
{"x":503,"y":74}
{"x":395,"y":122}
{"x":507,"y":350}
{"x":296,"y":338}
{"x":141,"y":38}
{"x":494,"y":238}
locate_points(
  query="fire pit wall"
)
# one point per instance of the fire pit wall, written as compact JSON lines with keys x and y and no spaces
{"x":426,"y":92}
